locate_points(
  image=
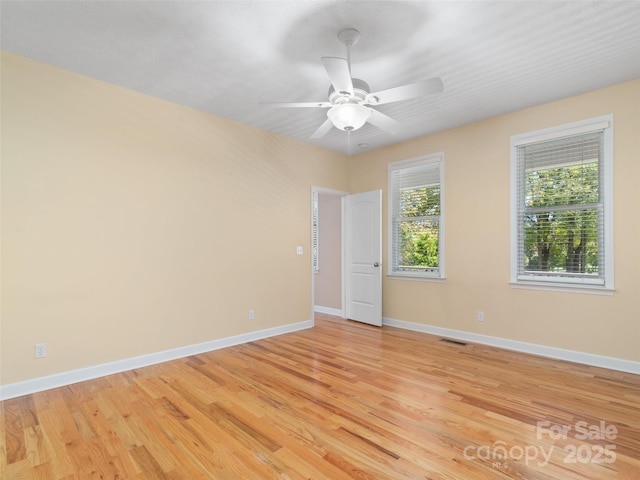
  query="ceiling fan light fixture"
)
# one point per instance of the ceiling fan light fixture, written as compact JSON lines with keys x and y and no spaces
{"x":349,"y":116}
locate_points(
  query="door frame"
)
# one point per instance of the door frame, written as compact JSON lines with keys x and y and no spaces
{"x":343,"y":293}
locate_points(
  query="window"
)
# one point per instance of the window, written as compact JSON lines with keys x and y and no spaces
{"x":561,"y":206}
{"x":416,"y":228}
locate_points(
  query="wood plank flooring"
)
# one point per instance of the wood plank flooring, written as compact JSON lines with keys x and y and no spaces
{"x":340,"y":401}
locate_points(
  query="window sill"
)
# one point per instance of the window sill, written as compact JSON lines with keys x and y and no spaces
{"x":564,"y":287}
{"x":414,"y":277}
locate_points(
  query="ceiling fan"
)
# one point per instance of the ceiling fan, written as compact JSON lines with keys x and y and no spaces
{"x":350,"y":99}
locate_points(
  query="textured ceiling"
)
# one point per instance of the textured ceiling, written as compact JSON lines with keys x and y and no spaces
{"x":225,"y":57}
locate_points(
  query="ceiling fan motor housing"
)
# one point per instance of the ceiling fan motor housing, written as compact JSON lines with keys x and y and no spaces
{"x":360,"y":92}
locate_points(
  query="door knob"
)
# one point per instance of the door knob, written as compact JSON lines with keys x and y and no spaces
{"x":376,"y":264}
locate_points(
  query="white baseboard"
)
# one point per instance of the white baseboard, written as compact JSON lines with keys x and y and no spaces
{"x":329,"y":311}
{"x":611,"y":363}
{"x":26,"y":387}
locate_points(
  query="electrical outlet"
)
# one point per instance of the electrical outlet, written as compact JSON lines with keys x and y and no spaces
{"x":480,"y":316}
{"x":40,"y":350}
{"x":251,"y":315}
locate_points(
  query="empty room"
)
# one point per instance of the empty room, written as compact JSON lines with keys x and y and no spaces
{"x":335,"y":240}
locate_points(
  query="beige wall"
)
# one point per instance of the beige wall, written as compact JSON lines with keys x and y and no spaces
{"x":131,"y":225}
{"x":328,"y":279}
{"x":477,"y":234}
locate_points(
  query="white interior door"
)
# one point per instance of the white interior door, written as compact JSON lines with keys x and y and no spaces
{"x":363,"y":257}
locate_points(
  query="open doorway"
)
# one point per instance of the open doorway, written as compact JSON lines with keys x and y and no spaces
{"x":327,"y":251}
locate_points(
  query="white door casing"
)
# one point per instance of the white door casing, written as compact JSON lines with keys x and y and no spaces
{"x":363,"y":255}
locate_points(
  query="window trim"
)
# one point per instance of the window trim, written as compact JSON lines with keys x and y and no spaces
{"x":556,"y":282}
{"x":409,"y":164}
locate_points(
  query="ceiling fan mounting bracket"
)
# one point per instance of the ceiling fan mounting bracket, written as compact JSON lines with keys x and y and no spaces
{"x":349,"y":36}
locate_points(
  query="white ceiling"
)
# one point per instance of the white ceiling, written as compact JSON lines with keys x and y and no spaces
{"x":225,"y":57}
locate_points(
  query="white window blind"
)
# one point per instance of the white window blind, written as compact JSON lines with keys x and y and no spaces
{"x":561,"y":211}
{"x":416,"y":217}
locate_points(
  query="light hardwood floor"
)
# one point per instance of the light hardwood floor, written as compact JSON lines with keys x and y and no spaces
{"x":340,"y":401}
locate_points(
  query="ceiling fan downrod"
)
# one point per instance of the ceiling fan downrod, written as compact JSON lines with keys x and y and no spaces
{"x":349,"y":36}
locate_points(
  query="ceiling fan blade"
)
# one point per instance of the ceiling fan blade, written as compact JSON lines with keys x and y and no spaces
{"x":323,"y":129}
{"x":339,"y":74}
{"x":296,"y":104}
{"x":405,"y":92}
{"x":384,"y":122}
